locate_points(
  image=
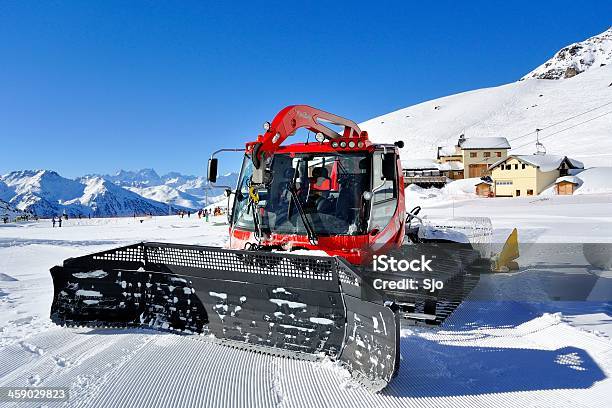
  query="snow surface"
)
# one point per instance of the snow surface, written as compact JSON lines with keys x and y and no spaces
{"x":515,"y":110}
{"x":485,"y":143}
{"x":495,"y":353}
{"x":595,"y":181}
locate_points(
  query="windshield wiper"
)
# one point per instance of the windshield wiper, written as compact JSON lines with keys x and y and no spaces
{"x":312,"y":235}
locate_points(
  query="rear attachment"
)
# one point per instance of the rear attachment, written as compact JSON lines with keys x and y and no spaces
{"x":455,"y":271}
{"x":297,"y":306}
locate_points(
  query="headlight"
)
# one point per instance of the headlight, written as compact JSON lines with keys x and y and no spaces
{"x":343,"y":144}
{"x":351,"y":144}
{"x":266,"y":126}
{"x":320,"y":137}
{"x":360,"y":144}
{"x":334,"y":144}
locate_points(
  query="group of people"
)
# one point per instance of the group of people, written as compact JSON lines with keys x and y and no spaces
{"x":202,"y":213}
{"x":58,"y":220}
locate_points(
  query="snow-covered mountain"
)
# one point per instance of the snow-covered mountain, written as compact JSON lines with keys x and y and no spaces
{"x":172,"y":188}
{"x":167,"y":194}
{"x":140,"y":178}
{"x":575,"y":115}
{"x":46,"y":193}
{"x":7,"y":210}
{"x":576,"y":58}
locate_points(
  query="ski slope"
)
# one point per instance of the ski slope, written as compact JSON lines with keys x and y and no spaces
{"x":574,"y":113}
{"x":495,"y":353}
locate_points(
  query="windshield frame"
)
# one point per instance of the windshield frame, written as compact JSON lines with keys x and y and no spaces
{"x":329,"y":223}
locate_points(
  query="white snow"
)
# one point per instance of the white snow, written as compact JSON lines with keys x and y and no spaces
{"x":596,"y":180}
{"x":515,"y":110}
{"x":485,"y":143}
{"x":288,"y":303}
{"x":591,"y":53}
{"x":491,"y":354}
{"x":92,"y":293}
{"x":92,"y":274}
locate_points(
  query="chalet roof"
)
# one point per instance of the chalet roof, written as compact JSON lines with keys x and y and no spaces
{"x":545,"y":162}
{"x":429,"y":164}
{"x":420,"y":164}
{"x":484,"y":143}
{"x":569,"y":179}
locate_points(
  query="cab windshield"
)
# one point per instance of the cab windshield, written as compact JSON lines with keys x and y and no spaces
{"x":329,"y":188}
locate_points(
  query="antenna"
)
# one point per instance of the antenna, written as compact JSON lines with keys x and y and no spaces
{"x":540,"y":149}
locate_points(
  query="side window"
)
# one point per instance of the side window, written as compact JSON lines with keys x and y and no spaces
{"x":384,"y":182}
{"x":384,"y":200}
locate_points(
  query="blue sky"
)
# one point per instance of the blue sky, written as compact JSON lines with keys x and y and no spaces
{"x":98,"y":86}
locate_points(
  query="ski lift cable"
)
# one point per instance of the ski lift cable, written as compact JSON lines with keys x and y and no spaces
{"x":557,"y":123}
{"x":562,"y":121}
{"x":564,"y":129}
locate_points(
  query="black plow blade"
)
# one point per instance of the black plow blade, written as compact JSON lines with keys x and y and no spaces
{"x":304,"y":307}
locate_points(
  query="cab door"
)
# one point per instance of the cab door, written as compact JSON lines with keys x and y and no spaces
{"x":383,"y":223}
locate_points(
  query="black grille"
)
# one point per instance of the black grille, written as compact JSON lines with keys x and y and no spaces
{"x":265,"y":263}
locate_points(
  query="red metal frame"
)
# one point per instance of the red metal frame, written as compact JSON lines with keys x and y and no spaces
{"x":357,"y":249}
{"x":293,"y":117}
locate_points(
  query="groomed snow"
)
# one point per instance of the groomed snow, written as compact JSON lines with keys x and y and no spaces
{"x":498,"y":354}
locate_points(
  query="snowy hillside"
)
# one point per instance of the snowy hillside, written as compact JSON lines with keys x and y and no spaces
{"x":575,"y":116}
{"x":172,"y":188}
{"x":7,"y":210}
{"x":168,"y":194}
{"x":46,"y":193}
{"x":576,"y":58}
{"x":108,"y":199}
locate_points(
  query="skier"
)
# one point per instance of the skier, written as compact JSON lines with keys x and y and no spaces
{"x":59,"y":222}
{"x":53,"y":221}
{"x":189,"y":214}
{"x":206,"y":212}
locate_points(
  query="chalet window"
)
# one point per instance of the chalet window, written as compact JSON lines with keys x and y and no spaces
{"x":523,"y":165}
{"x":473,"y":154}
{"x":487,"y":154}
{"x":498,"y":154}
{"x":509,"y":167}
{"x":516,"y":167}
{"x":529,"y":192}
{"x":518,"y":193}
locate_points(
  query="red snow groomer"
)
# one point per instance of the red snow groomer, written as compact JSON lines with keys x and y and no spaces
{"x":305,"y":221}
{"x":340,"y":193}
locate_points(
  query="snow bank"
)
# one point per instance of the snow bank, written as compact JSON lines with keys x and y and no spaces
{"x":464,"y":187}
{"x":597,"y":180}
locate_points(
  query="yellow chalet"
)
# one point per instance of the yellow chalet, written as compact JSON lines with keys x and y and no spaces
{"x":475,"y":153}
{"x":525,"y":175}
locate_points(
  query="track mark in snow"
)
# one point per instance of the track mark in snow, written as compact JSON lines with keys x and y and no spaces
{"x":61,"y":362}
{"x":34,"y":380}
{"x":32,"y":348}
{"x":277,"y":384}
{"x":87,"y":387}
{"x":572,"y":360}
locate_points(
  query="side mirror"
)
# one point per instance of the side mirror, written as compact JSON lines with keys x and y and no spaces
{"x":212,"y":169}
{"x":399,"y":144}
{"x":367,"y":195}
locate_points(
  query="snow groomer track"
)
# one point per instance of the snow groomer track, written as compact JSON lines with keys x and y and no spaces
{"x":477,"y":363}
